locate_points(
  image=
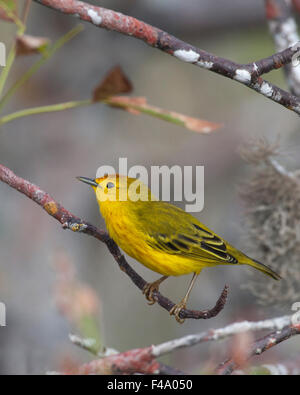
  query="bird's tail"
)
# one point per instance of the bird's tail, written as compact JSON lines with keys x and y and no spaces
{"x":263,"y":268}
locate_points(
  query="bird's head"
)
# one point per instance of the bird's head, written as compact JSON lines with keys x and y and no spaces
{"x":118,"y":188}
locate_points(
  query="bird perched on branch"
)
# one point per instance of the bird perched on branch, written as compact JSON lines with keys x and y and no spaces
{"x":161,"y":236}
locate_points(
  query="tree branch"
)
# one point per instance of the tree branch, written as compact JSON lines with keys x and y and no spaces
{"x":260,"y":346}
{"x":221,"y":333}
{"x":139,"y":360}
{"x":101,"y":366}
{"x":283,"y":28}
{"x":246,"y":74}
{"x":76,"y":224}
{"x":144,"y":360}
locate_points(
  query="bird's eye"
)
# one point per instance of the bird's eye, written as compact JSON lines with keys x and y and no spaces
{"x":110,"y":185}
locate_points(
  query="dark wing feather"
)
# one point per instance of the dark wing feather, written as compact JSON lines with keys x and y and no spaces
{"x":173,"y":231}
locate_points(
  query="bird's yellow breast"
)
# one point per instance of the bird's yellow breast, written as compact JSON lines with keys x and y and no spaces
{"x":123,"y":230}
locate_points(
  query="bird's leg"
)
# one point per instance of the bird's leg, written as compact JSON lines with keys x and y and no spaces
{"x":175,"y":310}
{"x":151,"y":287}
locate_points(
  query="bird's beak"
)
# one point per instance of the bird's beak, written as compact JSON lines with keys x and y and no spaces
{"x":88,"y":181}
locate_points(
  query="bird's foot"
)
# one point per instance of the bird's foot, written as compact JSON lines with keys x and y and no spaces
{"x":176,"y":309}
{"x":153,"y":287}
{"x":149,"y":289}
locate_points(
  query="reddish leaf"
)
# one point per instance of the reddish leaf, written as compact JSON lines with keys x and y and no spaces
{"x":27,"y":45}
{"x":113,"y":84}
{"x":137,"y":105}
{"x":130,"y":104}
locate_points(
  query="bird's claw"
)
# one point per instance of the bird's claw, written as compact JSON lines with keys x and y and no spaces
{"x":148,"y":292}
{"x":176,"y":310}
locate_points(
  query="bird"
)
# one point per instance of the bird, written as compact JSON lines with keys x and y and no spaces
{"x":161,"y":236}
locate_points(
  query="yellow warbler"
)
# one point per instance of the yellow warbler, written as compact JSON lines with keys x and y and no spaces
{"x":161,"y":236}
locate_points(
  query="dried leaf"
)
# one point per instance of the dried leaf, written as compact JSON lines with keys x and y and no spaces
{"x":129,"y":103}
{"x":28,"y":45}
{"x":137,"y":105}
{"x":195,"y":124}
{"x":113,"y":84}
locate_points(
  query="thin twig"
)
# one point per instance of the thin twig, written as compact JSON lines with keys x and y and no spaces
{"x":260,"y":346}
{"x":246,"y":74}
{"x":12,"y":52}
{"x":90,"y":345}
{"x":281,"y":170}
{"x":26,"y":11}
{"x":44,"y":109}
{"x":40,"y":62}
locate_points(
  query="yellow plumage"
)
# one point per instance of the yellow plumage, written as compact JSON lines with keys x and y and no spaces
{"x":162,"y":237}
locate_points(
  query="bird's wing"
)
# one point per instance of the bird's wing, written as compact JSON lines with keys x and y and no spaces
{"x":173,"y":231}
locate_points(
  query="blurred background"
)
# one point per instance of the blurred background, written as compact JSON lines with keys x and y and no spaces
{"x":38,"y":258}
